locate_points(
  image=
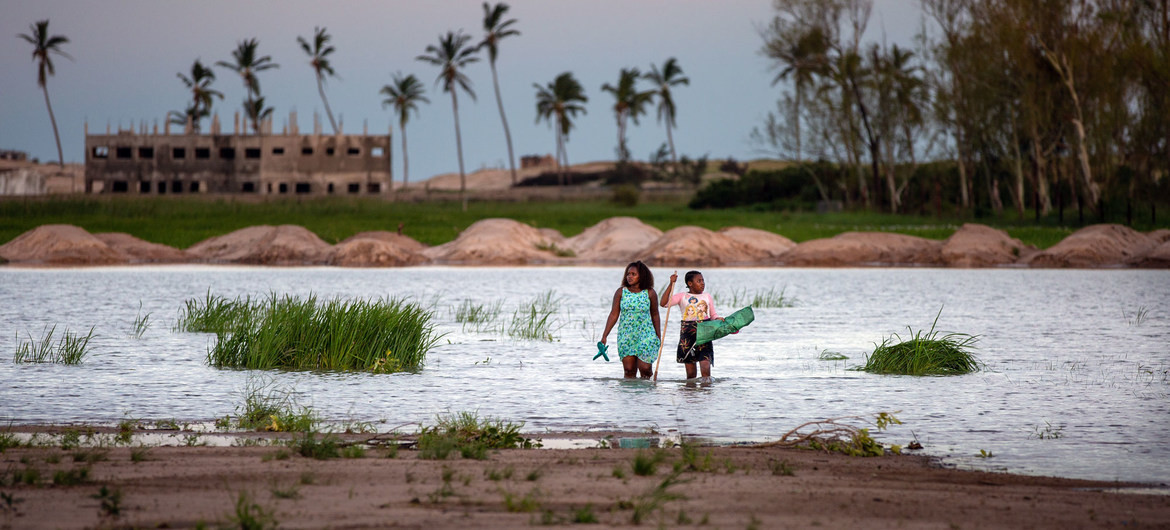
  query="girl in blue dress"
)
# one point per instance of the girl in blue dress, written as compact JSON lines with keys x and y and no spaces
{"x":636,"y":303}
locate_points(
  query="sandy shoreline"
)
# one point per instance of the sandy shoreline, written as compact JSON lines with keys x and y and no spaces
{"x":726,"y":487}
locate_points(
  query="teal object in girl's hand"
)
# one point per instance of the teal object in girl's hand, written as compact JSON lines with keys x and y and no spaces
{"x":601,"y":349}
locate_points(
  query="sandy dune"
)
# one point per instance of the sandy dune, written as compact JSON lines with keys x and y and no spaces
{"x":616,"y":240}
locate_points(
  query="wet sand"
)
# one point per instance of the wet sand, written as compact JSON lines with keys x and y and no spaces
{"x":726,"y":487}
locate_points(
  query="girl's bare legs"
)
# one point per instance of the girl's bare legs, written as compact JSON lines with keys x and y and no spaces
{"x":630,"y":365}
{"x":646,"y":369}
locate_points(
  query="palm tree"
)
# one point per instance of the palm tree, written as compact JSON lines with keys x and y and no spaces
{"x":451,"y":56}
{"x":247,"y":64}
{"x":319,"y":53}
{"x":497,"y":30}
{"x":628,"y":105}
{"x":202,"y":95}
{"x":801,"y":55}
{"x":404,"y":95}
{"x":257,"y":112}
{"x":560,"y":101}
{"x":671,"y":75}
{"x":44,"y":46}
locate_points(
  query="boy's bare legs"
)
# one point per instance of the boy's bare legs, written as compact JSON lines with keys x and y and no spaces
{"x":691,"y":370}
{"x":705,"y":369}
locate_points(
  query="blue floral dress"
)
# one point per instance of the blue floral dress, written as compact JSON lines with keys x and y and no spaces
{"x":636,"y":335}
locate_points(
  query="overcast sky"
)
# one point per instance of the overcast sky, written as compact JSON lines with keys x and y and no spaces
{"x":126,"y":54}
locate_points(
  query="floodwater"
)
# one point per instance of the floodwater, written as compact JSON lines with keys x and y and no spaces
{"x":1076,"y":380}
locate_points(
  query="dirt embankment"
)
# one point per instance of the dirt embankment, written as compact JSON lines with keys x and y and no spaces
{"x":723,"y":487}
{"x":616,"y":240}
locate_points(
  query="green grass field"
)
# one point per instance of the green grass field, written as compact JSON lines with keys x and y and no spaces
{"x":183,"y":221}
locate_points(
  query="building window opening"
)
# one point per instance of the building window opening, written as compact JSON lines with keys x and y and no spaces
{"x":249,"y":187}
{"x":162,"y":188}
{"x":101,"y":151}
{"x":119,"y":186}
{"x":376,"y":152}
{"x":123,"y":152}
{"x":330,"y":188}
{"x":176,"y":186}
{"x":278,"y":151}
{"x":353,"y":151}
{"x":252,"y":152}
{"x":178,"y":153}
{"x":227,"y":153}
{"x":303,"y":187}
{"x":354,"y":188}
{"x":202,"y":153}
{"x":283,"y":187}
{"x":146,"y":152}
{"x":329,"y":151}
{"x":144,"y":186}
{"x":373,"y":187}
{"x":194,"y":187}
{"x":307,"y":151}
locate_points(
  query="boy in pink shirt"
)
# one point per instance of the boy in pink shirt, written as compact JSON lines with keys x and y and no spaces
{"x":695,"y":306}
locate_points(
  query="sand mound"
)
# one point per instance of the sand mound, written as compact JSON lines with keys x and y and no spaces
{"x":975,"y":245}
{"x":142,"y":251}
{"x":865,"y":248}
{"x":1159,"y":258}
{"x":60,"y":245}
{"x":264,"y":245}
{"x":617,"y":239}
{"x":773,"y":245}
{"x":693,"y":246}
{"x":377,"y":249}
{"x":1104,"y":245}
{"x":1160,"y":235}
{"x":496,"y":242}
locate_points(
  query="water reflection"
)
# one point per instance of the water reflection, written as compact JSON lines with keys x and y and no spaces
{"x":1063,"y":350}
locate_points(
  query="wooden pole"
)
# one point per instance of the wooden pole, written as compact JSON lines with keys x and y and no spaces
{"x":661,"y":343}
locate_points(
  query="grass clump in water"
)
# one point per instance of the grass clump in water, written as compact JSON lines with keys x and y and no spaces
{"x":69,"y":349}
{"x":926,"y":353}
{"x":270,"y":408}
{"x":760,"y":298}
{"x":536,"y":320}
{"x":383,"y":336}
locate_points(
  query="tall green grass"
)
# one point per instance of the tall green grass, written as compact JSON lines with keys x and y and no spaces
{"x":70,"y":348}
{"x":757,"y":298}
{"x":925,"y":353}
{"x":536,"y":320}
{"x":382,"y":336}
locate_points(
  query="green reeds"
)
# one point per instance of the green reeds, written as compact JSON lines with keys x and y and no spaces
{"x":141,"y":322}
{"x":924,"y":354}
{"x":69,"y":349}
{"x":536,"y":320}
{"x":466,"y":432}
{"x":758,"y":298}
{"x":472,"y":313}
{"x":383,"y":336}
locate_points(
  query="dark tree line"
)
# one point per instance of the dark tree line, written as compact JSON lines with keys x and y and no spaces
{"x":1038,"y":104}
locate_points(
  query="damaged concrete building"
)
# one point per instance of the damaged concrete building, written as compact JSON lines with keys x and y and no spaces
{"x":146,"y":162}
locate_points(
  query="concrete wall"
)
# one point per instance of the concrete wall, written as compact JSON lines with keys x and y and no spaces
{"x":129,"y":162}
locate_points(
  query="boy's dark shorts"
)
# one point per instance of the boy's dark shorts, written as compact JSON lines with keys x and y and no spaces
{"x":686,"y":338}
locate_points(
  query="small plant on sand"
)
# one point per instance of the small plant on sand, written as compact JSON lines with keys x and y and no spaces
{"x":69,"y":349}
{"x":8,"y":440}
{"x":466,"y":432}
{"x":655,"y":497}
{"x":525,"y":504}
{"x":310,"y":446}
{"x":924,"y":354}
{"x":269,"y":407}
{"x":646,"y":463}
{"x":111,"y":501}
{"x":249,"y":515}
{"x":585,"y":515}
{"x":560,"y":252}
{"x":837,"y":436}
